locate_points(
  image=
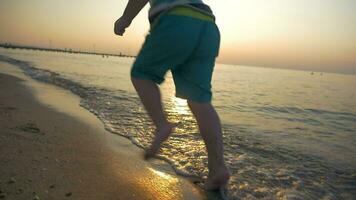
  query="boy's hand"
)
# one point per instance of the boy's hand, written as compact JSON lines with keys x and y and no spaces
{"x":120,"y":25}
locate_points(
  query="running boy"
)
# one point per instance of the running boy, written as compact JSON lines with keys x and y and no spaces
{"x":184,"y":39}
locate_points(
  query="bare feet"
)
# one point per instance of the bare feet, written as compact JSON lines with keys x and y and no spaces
{"x":218,"y":180}
{"x":161,"y":135}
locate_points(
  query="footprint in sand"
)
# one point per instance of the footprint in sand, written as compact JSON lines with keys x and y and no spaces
{"x":5,"y":110}
{"x":29,"y":127}
{"x":8,"y":108}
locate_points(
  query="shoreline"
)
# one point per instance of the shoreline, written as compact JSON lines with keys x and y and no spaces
{"x":52,"y":148}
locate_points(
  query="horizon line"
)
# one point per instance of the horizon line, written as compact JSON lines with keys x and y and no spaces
{"x":7,"y":45}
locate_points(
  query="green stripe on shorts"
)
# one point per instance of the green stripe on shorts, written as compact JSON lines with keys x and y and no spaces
{"x":190,"y":12}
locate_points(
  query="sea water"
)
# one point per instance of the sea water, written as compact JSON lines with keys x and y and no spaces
{"x":287,"y":134}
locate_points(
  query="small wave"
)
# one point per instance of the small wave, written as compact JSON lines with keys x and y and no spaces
{"x":262,"y":169}
{"x":296,"y":110}
{"x":310,"y":116}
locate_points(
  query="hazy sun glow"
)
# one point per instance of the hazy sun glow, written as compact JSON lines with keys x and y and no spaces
{"x":300,"y":34}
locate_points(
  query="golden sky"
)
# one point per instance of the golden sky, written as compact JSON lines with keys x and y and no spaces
{"x":315,"y":35}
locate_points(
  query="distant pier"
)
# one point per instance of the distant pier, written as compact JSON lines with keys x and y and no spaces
{"x":11,"y":46}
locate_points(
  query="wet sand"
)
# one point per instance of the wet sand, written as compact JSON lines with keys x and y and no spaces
{"x":51,"y":148}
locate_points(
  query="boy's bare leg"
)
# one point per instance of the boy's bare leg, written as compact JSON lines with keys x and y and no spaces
{"x":210,"y":129}
{"x":150,"y":96}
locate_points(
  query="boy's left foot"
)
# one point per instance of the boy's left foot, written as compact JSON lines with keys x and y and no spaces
{"x":161,"y":136}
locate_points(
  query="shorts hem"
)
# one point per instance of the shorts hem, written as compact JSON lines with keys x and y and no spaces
{"x":195,"y":99}
{"x":147,"y":77}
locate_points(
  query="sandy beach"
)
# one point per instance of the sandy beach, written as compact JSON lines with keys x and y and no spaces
{"x":51,"y":148}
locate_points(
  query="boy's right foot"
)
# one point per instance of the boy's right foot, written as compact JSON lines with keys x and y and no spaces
{"x":161,"y":136}
{"x":218,"y":180}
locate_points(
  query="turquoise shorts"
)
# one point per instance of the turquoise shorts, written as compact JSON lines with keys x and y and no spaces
{"x":186,"y":45}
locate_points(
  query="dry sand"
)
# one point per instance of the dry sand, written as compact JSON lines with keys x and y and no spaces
{"x":51,"y":148}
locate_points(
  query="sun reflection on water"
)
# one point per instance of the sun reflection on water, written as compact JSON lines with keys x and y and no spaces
{"x":163,"y":175}
{"x":180,"y":106}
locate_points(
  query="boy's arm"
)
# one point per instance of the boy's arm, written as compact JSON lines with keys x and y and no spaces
{"x":132,"y":9}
